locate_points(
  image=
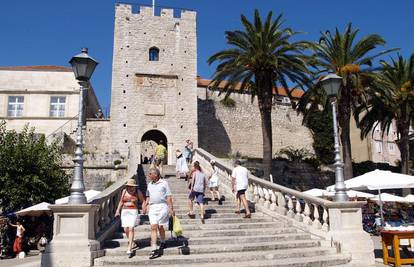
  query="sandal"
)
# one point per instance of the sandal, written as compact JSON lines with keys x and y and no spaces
{"x":154,"y":254}
{"x":237,"y":212}
{"x":248,"y":216}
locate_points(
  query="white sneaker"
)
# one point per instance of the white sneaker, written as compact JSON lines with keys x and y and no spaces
{"x":128,"y":252}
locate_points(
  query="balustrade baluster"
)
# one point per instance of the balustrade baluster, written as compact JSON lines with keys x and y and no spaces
{"x":261,"y":195}
{"x":273,"y":198}
{"x":256,"y":193}
{"x":267,"y":198}
{"x":325,"y":216}
{"x":306,"y":214}
{"x":290,"y":212}
{"x":298,"y":208}
{"x":281,"y":203}
{"x":316,"y":223}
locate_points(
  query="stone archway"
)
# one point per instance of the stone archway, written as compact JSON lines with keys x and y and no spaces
{"x":149,"y":141}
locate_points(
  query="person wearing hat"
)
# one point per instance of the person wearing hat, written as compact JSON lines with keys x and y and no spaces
{"x":129,"y":215}
{"x":213,"y":182}
{"x":181,"y":167}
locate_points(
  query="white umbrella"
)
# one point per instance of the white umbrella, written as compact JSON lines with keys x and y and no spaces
{"x":351,"y":193}
{"x":89,"y":195}
{"x":385,"y":197}
{"x":410,"y":198}
{"x":316,"y":192}
{"x":378,"y":180}
{"x":35,"y":210}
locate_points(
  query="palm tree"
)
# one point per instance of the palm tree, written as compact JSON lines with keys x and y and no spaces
{"x":392,"y":101}
{"x":259,"y":58}
{"x":342,"y":54}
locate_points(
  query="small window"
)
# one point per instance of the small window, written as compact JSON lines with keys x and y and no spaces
{"x":378,"y":146}
{"x":57,"y":106}
{"x":391,"y":148}
{"x":154,"y":54}
{"x":15,"y":107}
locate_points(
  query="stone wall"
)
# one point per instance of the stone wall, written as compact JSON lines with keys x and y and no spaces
{"x":98,"y":136}
{"x":153,"y":95}
{"x":227,"y":130}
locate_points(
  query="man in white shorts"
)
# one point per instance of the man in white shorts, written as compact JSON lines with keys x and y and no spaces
{"x":159,"y":204}
{"x":240,"y":183}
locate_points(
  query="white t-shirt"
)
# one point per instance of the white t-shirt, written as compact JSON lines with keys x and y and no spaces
{"x":242,"y":177}
{"x":158,"y":192}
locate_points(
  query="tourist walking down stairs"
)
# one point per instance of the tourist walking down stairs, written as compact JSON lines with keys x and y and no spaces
{"x":240,"y":182}
{"x":159,"y":205}
{"x":129,"y":207}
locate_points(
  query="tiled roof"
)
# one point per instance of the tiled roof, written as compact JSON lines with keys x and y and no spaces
{"x":296,"y":93}
{"x":36,"y":68}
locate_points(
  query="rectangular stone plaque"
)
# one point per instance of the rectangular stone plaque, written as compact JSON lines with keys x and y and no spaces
{"x":154,"y":109}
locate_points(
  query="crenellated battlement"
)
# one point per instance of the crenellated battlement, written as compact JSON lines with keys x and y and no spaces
{"x":129,"y":9}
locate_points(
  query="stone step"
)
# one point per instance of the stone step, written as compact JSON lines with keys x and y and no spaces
{"x":204,"y":249}
{"x":233,"y":258}
{"x":222,"y":240}
{"x":229,"y":232}
{"x":183,"y":215}
{"x":336,"y":260}
{"x":233,"y":226}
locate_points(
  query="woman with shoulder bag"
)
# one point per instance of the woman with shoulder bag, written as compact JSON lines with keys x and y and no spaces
{"x":129,"y":214}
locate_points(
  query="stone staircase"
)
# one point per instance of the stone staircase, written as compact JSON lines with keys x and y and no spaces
{"x":226,"y":238}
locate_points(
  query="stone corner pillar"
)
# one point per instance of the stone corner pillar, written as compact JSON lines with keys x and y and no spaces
{"x":74,"y":242}
{"x":170,"y":154}
{"x":345,"y":228}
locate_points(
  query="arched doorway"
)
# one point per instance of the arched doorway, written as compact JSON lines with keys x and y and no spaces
{"x":149,"y":141}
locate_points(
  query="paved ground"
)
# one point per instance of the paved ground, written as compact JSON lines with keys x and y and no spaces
{"x":32,"y":260}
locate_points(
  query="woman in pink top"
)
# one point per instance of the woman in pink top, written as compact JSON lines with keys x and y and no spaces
{"x":129,"y":214}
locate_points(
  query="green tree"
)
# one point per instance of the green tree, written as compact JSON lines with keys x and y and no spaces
{"x":391,"y":101}
{"x":321,"y":127}
{"x":351,"y":59}
{"x":260,"y":58}
{"x":29,"y":170}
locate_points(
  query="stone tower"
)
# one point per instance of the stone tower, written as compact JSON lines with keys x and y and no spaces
{"x":154,"y":81}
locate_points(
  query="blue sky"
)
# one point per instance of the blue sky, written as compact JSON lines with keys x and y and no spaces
{"x":50,"y":32}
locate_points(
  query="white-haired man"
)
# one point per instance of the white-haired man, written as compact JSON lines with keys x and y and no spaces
{"x":159,"y":205}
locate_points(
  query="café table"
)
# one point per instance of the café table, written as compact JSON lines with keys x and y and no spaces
{"x":392,"y":238}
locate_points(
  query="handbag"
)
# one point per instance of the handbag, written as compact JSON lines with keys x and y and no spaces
{"x":177,"y":229}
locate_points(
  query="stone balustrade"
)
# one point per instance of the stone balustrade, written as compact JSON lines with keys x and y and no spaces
{"x":338,"y":223}
{"x":107,"y":201}
{"x":80,"y":230}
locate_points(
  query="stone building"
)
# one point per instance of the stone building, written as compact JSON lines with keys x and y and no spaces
{"x":154,"y":80}
{"x":45,"y":97}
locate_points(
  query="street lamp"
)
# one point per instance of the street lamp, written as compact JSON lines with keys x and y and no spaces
{"x":83,"y":66}
{"x":331,"y":84}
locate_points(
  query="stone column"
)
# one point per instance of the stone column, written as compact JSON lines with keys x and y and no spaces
{"x":345,"y":228}
{"x":171,"y":154}
{"x":73,"y":243}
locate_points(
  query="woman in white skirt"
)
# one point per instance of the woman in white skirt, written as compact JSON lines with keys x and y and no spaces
{"x":129,"y":214}
{"x":213,"y":182}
